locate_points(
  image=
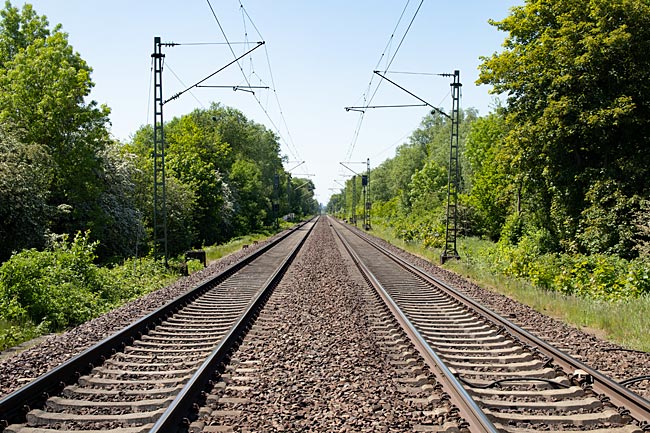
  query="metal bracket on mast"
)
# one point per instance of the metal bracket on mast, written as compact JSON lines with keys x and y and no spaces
{"x":453,"y":181}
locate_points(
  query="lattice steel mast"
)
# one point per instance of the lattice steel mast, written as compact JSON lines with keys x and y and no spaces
{"x":159,"y":186}
{"x":453,"y":182}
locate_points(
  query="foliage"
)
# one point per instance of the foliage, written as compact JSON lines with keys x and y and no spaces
{"x":578,"y":115}
{"x":24,"y":178}
{"x":60,"y":287}
{"x":642,"y":225}
{"x":491,"y":188}
{"x":595,"y":276}
{"x":409,"y":191}
{"x":221,"y":177}
{"x":300,"y":197}
{"x":180,"y":198}
{"x":117,"y":221}
{"x":607,"y":223}
{"x":83,"y":185}
{"x":252,"y":204}
{"x":195,"y":155}
{"x":133,"y":278}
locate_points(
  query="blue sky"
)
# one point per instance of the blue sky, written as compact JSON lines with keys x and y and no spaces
{"x":321,"y":53}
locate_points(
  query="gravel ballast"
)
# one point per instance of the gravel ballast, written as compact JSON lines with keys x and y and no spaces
{"x":325,"y":355}
{"x":22,"y":367}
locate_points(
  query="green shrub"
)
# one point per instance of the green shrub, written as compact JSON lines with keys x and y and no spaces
{"x":596,"y":276}
{"x":42,"y":291}
{"x":604,"y":277}
{"x":58,"y":286}
{"x":132,"y":279}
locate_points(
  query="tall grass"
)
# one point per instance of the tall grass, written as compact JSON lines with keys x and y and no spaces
{"x":215,"y":252}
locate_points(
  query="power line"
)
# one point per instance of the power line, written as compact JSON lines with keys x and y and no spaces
{"x":216,"y":72}
{"x":357,"y":130}
{"x":273,"y":87}
{"x":395,"y":143}
{"x":184,"y":85}
{"x":366,"y":101}
{"x":295,"y":155}
{"x":411,"y":73}
{"x":404,"y":37}
{"x":211,"y":43}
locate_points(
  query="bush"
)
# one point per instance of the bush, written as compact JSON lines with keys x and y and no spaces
{"x":132,"y":279}
{"x":57,"y":286}
{"x":60,"y":287}
{"x":604,"y":277}
{"x":596,"y":276}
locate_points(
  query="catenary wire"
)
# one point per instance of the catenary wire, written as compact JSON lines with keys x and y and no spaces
{"x":216,"y":18}
{"x":184,"y":85}
{"x":369,"y":101}
{"x":273,"y":87}
{"x":357,"y":130}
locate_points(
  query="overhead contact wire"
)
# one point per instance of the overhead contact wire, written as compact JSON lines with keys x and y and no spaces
{"x":273,"y":88}
{"x":184,"y":85}
{"x":246,"y":78}
{"x":387,"y":47}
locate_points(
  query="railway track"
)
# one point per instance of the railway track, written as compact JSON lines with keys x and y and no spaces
{"x":156,"y":368}
{"x":328,"y":352}
{"x":518,"y":382}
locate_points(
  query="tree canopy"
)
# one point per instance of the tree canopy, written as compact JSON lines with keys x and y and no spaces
{"x":61,"y":173}
{"x":577,"y":80}
{"x":563,"y":162}
{"x":43,"y":89}
{"x":221,"y":177}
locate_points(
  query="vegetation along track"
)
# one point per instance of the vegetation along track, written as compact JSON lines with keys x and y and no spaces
{"x":162,"y":360}
{"x":326,"y":354}
{"x":521,"y":383}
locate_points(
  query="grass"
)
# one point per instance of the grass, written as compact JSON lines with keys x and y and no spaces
{"x":626,"y":323}
{"x":215,"y":252}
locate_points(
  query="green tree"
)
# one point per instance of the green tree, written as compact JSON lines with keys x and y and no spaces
{"x":117,"y":220}
{"x":303,"y":196}
{"x":251,"y":205}
{"x":221,"y":169}
{"x":44,"y":85}
{"x":42,"y":91}
{"x":19,"y":29}
{"x":428,"y":187}
{"x":577,"y":78}
{"x":24,"y":181}
{"x":180,"y":198}
{"x":492,"y":189}
{"x":195,"y":156}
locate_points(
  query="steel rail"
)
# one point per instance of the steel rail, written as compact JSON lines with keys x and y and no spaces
{"x":620,"y":396}
{"x":14,"y":407}
{"x":175,"y":418}
{"x":468,"y":409}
